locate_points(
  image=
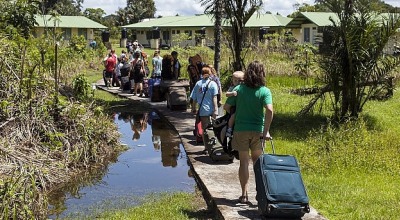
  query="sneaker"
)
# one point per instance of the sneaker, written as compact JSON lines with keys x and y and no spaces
{"x":229,"y":132}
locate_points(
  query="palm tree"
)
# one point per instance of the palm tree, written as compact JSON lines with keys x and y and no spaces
{"x":353,"y":62}
{"x":238,"y":13}
{"x":215,"y":8}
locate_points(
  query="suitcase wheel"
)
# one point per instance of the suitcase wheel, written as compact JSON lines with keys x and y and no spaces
{"x":307,"y":209}
{"x":269,"y":208}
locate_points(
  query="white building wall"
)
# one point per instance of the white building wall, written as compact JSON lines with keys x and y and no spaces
{"x":39,"y":31}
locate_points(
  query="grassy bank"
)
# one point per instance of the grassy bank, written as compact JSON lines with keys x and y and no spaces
{"x":49,"y":132}
{"x":177,"y":206}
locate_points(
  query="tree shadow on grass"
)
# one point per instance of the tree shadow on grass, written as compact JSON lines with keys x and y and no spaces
{"x":295,"y":127}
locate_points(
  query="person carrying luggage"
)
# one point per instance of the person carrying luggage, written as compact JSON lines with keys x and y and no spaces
{"x":157,"y":65}
{"x":125,"y":69}
{"x":214,"y":76}
{"x":205,"y":92}
{"x":251,"y":123}
{"x":109,"y":64}
{"x":138,"y":74}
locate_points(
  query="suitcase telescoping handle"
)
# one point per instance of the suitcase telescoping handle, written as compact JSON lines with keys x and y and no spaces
{"x":263,"y":145}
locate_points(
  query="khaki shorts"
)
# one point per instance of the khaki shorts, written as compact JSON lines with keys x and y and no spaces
{"x":245,"y":140}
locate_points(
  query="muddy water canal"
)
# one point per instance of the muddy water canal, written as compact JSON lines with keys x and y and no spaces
{"x":154,"y":162}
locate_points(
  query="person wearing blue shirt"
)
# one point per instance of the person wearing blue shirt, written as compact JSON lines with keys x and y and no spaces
{"x":157,"y":65}
{"x":209,"y":89}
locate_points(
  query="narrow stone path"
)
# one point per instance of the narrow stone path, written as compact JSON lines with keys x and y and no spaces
{"x":218,"y":181}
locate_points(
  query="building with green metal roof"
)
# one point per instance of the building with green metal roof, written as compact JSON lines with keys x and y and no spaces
{"x":307,"y":27}
{"x":199,"y":28}
{"x":68,"y":25}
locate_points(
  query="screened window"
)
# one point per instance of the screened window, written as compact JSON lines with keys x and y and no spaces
{"x":189,"y":33}
{"x":66,"y":33}
{"x":82,"y":31}
{"x":307,"y":35}
{"x":149,"y":35}
{"x":165,"y":35}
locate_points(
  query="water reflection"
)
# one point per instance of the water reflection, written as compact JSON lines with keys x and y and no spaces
{"x":138,"y":124}
{"x":167,"y":141}
{"x":153,"y":149}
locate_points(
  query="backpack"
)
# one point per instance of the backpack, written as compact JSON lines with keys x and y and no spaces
{"x":194,"y":68}
{"x":138,"y":67}
{"x":167,"y":72}
{"x":220,"y":125}
{"x":125,"y":69}
{"x":194,"y":76}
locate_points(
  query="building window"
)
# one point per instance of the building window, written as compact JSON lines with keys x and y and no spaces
{"x":83,"y":32}
{"x":165,"y":35}
{"x":189,"y":34}
{"x":66,"y":33}
{"x":149,"y":35}
{"x":173,"y":31}
{"x":306,"y":35}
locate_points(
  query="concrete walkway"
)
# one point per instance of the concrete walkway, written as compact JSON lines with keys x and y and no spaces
{"x":218,"y":181}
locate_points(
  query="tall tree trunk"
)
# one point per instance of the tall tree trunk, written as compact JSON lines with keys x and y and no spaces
{"x":217,"y":35}
{"x":345,"y":93}
{"x":238,"y":42}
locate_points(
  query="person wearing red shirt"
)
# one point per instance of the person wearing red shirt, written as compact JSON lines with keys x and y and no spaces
{"x":110,"y":66}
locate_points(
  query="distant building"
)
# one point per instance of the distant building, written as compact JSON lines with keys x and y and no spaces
{"x":307,"y":27}
{"x":68,"y":25}
{"x":199,"y":28}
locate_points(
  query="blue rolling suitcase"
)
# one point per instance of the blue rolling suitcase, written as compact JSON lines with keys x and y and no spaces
{"x":280,"y":187}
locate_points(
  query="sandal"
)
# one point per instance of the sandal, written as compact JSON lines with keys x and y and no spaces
{"x":243,"y":199}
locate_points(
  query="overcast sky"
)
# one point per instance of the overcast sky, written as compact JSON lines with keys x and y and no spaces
{"x":191,"y":7}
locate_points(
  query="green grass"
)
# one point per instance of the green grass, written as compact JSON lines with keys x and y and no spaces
{"x":350,"y":171}
{"x":351,"y":194}
{"x":177,"y":206}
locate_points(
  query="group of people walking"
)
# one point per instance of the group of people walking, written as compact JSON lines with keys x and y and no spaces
{"x":127,"y":70}
{"x":130,"y":70}
{"x":250,"y":104}
{"x":249,"y":101}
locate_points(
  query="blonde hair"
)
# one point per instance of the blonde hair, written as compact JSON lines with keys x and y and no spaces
{"x":237,"y":77}
{"x":213,"y":70}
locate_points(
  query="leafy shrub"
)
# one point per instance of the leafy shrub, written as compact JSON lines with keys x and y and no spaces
{"x":81,"y":87}
{"x":21,"y":197}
